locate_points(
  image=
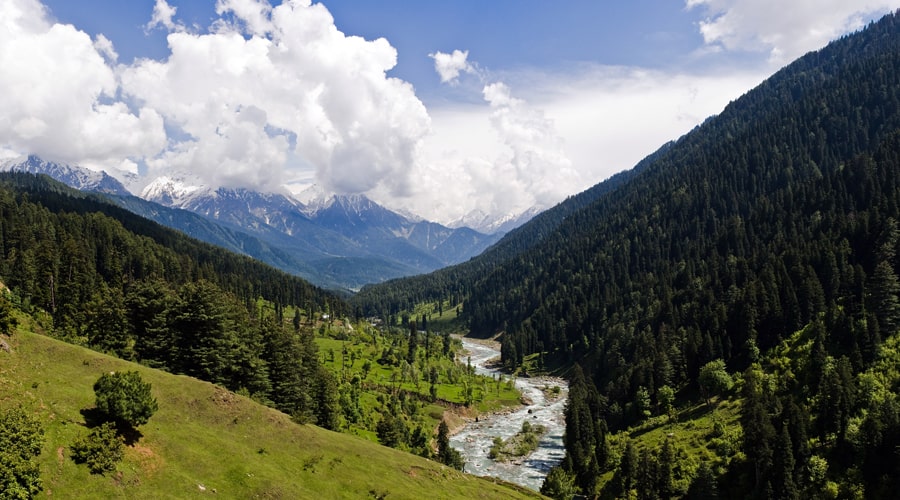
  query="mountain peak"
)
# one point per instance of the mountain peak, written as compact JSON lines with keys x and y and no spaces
{"x":173,"y":191}
{"x":81,"y":178}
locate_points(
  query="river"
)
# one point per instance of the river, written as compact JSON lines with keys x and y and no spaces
{"x":475,"y":439}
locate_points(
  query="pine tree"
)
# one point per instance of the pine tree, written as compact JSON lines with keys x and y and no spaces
{"x":757,"y":425}
{"x":124,"y":397}
{"x":783,"y":467}
{"x":581,"y":438}
{"x":446,"y":454}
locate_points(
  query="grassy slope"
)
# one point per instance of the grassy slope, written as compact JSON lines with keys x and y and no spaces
{"x":205,"y":437}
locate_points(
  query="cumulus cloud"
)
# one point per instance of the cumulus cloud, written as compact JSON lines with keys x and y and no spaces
{"x":59,"y":93}
{"x":449,"y":66}
{"x":269,"y":84}
{"x":535,"y":159}
{"x":508,"y":155}
{"x":508,"y":158}
{"x":798,"y":27}
{"x":163,"y":17}
{"x":105,"y":47}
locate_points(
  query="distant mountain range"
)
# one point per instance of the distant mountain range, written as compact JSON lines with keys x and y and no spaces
{"x":339,"y":242}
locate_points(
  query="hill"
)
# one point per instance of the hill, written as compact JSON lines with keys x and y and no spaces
{"x":206,"y":440}
{"x":764,"y":242}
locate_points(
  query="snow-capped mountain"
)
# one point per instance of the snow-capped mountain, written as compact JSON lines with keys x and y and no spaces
{"x":344,"y":234}
{"x":335,"y":241}
{"x":77,"y":177}
{"x":485,"y":223}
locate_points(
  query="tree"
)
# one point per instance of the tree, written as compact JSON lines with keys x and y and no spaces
{"x":665,"y":396}
{"x":328,"y":406}
{"x":759,"y":433}
{"x":705,"y":485}
{"x":125,"y":397}
{"x":21,"y":437}
{"x":7,"y":320}
{"x":585,"y":436}
{"x":446,"y":454}
{"x":559,"y":484}
{"x":714,"y":379}
{"x":107,"y":325}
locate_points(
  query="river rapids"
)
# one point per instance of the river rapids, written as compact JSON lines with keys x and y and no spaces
{"x":475,"y":439}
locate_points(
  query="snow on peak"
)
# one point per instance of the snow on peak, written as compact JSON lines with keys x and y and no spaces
{"x":78,"y":177}
{"x":315,"y":198}
{"x":174,"y":191}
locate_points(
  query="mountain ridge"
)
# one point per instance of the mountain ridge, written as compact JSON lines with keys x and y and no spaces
{"x":341,"y":242}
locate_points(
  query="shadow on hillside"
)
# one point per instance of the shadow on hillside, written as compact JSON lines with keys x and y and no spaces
{"x":94,"y":417}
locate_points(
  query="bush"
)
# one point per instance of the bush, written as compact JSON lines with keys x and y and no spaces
{"x":101,"y":450}
{"x":125,"y":397}
{"x":21,"y":438}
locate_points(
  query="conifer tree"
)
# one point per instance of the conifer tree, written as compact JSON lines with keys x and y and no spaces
{"x":446,"y":454}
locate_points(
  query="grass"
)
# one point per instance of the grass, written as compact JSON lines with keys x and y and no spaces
{"x":205,"y":440}
{"x":487,"y":394}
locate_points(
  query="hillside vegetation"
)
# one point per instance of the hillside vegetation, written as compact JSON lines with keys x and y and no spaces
{"x":205,"y":440}
{"x":776,"y":220}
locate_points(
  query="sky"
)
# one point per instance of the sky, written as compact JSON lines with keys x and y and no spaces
{"x":447,"y":110}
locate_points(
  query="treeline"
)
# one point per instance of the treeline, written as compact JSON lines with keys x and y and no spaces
{"x":100,"y":276}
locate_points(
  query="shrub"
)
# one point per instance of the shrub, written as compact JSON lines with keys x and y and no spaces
{"x":101,"y":450}
{"x":21,"y":437}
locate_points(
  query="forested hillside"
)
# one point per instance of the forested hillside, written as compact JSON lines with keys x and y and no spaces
{"x":97,"y":275}
{"x":772,"y":225}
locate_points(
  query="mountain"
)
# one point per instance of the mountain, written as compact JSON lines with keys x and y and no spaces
{"x":485,"y":223}
{"x":77,"y":177}
{"x":763,"y":246}
{"x":341,"y":242}
{"x":348,"y":240}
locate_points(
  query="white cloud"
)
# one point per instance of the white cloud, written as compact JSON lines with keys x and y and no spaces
{"x":511,"y":155}
{"x":279,"y":84}
{"x":267,"y":95}
{"x":784,"y":30}
{"x":58,"y":93}
{"x":499,"y":159}
{"x":252,"y":15}
{"x":536,"y":156}
{"x":163,"y":17}
{"x":105,"y":47}
{"x":449,"y":66}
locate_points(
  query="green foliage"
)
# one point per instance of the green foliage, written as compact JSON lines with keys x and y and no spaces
{"x":204,"y":435}
{"x":519,"y":445}
{"x":21,"y":438}
{"x":765,"y":241}
{"x":102,"y":449}
{"x":559,"y":484}
{"x":446,"y":454}
{"x":585,"y":438}
{"x":7,"y":320}
{"x":125,"y":397}
{"x":714,"y":378}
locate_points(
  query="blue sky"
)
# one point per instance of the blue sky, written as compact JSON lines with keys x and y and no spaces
{"x":506,"y":35}
{"x":451,"y":110}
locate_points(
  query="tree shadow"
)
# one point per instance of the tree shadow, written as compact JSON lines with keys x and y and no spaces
{"x":94,"y":418}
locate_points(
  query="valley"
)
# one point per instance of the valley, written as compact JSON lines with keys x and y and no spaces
{"x":720,"y":321}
